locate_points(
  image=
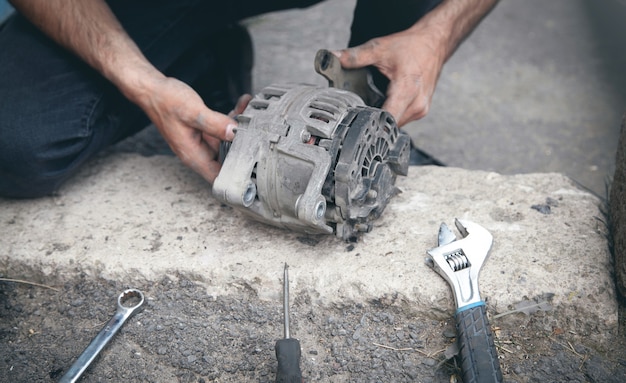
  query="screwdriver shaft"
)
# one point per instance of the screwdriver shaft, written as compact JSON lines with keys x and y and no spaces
{"x":286,"y":300}
{"x":288,"y":352}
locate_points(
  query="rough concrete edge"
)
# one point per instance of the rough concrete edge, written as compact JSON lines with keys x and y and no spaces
{"x":50,"y":272}
{"x":596,"y":336}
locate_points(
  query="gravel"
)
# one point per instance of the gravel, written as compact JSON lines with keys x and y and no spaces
{"x":184,"y":334}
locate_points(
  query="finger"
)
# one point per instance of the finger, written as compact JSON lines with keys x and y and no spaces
{"x":417,"y":110}
{"x":359,"y":56}
{"x":215,"y":124}
{"x":212,"y":142}
{"x":242,"y":103}
{"x":407,"y":103}
{"x":201,"y":159}
{"x":398,"y":100}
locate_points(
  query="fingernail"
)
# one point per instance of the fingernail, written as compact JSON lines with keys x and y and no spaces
{"x":230,"y":132}
{"x":337,"y":53}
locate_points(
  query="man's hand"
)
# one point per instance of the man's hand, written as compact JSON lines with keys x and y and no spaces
{"x":413,"y":59}
{"x":90,"y":30}
{"x":192,"y":130}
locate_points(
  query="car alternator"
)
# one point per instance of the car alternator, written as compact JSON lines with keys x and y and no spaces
{"x":313,"y":159}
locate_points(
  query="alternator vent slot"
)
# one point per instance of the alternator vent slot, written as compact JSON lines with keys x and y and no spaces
{"x":259,"y":104}
{"x":374,"y":155}
{"x":326,"y":106}
{"x":321,"y":116}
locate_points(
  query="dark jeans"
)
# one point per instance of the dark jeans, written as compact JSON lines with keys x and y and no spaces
{"x":56,"y":112}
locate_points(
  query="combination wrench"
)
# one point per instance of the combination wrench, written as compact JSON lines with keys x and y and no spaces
{"x":128,"y":303}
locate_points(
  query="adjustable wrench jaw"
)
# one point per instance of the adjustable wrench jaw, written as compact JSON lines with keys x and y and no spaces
{"x":459,"y":261}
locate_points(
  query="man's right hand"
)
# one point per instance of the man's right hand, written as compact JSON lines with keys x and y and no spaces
{"x":90,"y":30}
{"x":192,"y":130}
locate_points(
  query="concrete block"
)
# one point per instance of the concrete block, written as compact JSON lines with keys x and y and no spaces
{"x":138,"y":218}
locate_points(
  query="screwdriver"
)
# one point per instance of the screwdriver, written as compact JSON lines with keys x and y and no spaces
{"x":288,"y":349}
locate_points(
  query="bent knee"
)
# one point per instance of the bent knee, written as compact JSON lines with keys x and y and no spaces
{"x":23,"y":183}
{"x":35,"y":161}
{"x":28,"y":171}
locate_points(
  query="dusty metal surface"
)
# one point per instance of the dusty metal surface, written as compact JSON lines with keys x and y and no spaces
{"x":313,"y":159}
{"x":358,"y":81}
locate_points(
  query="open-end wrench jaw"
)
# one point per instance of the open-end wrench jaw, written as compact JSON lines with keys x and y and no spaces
{"x":459,"y":261}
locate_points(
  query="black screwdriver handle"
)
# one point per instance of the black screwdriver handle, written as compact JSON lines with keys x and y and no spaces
{"x":288,"y":356}
{"x":479,"y":357}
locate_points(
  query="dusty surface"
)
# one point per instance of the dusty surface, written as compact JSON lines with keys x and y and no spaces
{"x":174,"y":226}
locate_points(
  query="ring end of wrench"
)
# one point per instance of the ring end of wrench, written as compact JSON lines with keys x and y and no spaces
{"x":130,"y":299}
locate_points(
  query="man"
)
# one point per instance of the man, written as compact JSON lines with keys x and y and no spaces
{"x":79,"y":75}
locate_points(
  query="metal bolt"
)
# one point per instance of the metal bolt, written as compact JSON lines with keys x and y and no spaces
{"x":320,"y":209}
{"x":249,"y":194}
{"x":305,"y":136}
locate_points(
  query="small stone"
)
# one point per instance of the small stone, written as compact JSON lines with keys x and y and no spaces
{"x":543,"y":209}
{"x":552,"y":202}
{"x":449,"y":333}
{"x":430,"y":362}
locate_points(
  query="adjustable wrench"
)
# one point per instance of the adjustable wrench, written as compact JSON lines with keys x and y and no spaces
{"x":459,"y":262}
{"x":128,"y":303}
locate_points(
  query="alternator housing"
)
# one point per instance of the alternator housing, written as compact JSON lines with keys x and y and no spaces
{"x":312,"y":159}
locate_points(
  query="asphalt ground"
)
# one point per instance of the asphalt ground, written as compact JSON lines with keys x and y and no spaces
{"x":537,"y":88}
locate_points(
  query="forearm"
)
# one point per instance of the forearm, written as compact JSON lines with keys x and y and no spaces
{"x":453,"y":20}
{"x":89,"y":29}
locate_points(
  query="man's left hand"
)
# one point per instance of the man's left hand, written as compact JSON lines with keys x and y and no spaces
{"x":411,"y":60}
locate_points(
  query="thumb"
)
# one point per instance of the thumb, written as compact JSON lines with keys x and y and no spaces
{"x":359,"y":56}
{"x":216,"y":124}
